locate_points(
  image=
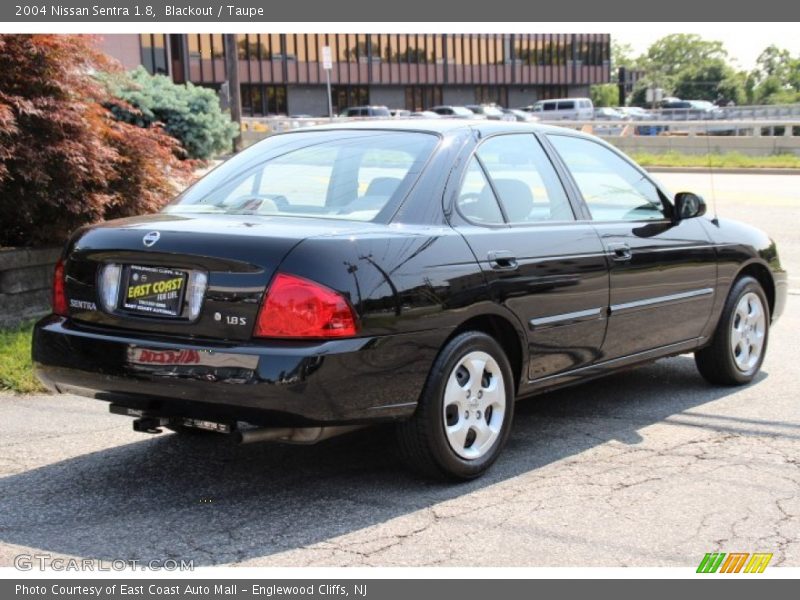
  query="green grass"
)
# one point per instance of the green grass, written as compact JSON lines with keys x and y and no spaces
{"x":732,"y":160}
{"x":16,"y":370}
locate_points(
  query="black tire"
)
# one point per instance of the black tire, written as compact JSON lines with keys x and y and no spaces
{"x":422,"y":441}
{"x":716,"y":362}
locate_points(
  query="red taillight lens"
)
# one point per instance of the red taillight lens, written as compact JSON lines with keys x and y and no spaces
{"x":299,"y":308}
{"x":59,"y":290}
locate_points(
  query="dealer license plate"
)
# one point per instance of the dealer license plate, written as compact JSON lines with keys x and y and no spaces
{"x":155,"y":291}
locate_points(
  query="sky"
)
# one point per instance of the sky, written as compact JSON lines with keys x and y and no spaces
{"x":743,"y":46}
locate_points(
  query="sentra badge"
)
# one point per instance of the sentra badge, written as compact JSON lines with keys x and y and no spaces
{"x":151,"y":238}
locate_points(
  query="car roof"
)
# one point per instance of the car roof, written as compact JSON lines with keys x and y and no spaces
{"x":442,"y":126}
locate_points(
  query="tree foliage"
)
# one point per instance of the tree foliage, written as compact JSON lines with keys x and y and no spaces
{"x":605,"y":94}
{"x":189,"y":113}
{"x":65,"y":161}
{"x":687,"y":66}
{"x":776,"y":78}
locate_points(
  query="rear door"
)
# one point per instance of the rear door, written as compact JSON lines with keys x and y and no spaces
{"x":539,"y":261}
{"x":663,"y":273}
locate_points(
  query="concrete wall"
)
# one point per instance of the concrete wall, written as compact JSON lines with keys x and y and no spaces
{"x":391,"y":96}
{"x":458,"y":95}
{"x":751,"y":146}
{"x":307,"y":100}
{"x":26,"y":277}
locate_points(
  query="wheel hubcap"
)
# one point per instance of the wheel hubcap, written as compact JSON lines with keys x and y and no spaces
{"x":474,"y":405}
{"x":747,"y":332}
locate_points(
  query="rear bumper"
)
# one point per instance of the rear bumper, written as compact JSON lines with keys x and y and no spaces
{"x":280,"y":383}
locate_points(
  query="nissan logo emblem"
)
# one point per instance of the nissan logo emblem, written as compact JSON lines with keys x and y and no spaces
{"x":151,"y":238}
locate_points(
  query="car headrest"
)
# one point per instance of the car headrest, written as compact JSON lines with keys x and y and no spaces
{"x":517,"y":198}
{"x":382,"y":186}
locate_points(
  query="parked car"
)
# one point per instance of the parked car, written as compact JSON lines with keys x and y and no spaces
{"x":400,"y":112}
{"x":636,"y":113}
{"x":456,"y":112}
{"x":380,"y":112}
{"x":568,"y":109}
{"x":490,"y":111}
{"x":425,"y":114}
{"x":309,"y":285}
{"x":521,"y":115}
{"x":606,"y":113}
{"x":691,"y":109}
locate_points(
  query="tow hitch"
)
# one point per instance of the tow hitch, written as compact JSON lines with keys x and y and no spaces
{"x":148,"y":422}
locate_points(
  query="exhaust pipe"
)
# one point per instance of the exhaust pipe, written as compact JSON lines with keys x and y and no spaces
{"x":293,"y":435}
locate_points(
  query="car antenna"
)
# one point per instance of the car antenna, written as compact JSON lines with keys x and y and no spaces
{"x":714,"y":220}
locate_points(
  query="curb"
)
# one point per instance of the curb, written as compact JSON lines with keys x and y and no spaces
{"x":725,"y":170}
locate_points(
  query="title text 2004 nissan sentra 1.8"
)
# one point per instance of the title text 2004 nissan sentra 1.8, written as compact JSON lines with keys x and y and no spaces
{"x":422,"y":273}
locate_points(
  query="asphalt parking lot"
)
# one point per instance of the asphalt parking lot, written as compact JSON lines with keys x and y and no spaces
{"x":652,"y":467}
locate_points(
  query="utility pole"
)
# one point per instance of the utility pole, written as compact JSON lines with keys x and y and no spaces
{"x":327,"y":64}
{"x":235,"y":90}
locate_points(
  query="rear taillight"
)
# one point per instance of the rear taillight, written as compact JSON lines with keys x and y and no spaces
{"x":298,"y":308}
{"x":59,"y":290}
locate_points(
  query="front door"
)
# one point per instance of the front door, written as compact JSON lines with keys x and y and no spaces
{"x":663,"y":272}
{"x":545,"y":266}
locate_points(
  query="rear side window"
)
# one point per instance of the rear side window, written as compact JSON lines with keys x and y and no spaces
{"x":566,"y":105}
{"x":476,"y":200}
{"x":333,"y":174}
{"x":524,"y":180}
{"x":612,"y":188}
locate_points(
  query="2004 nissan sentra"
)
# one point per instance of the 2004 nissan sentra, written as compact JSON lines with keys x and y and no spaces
{"x":423,"y":273}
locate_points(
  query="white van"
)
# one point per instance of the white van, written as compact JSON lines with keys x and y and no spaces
{"x":563,"y":109}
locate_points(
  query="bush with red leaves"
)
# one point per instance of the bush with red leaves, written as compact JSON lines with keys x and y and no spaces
{"x":65,"y":161}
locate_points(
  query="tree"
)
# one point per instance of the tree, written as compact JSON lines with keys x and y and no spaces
{"x":64,"y":160}
{"x":622,"y":56}
{"x":776,"y":78}
{"x":189,"y":113}
{"x":675,"y":53}
{"x":687,"y":66}
{"x":712,"y":80}
{"x":605,"y":94}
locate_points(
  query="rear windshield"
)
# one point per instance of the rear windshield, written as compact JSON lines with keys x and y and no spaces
{"x":349,"y":175}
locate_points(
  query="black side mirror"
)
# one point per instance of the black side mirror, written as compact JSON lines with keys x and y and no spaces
{"x":688,"y":206}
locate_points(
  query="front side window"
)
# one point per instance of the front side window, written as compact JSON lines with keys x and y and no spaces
{"x":611,"y":187}
{"x":524,"y":180}
{"x":333,"y":174}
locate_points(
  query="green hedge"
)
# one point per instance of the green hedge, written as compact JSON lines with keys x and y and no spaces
{"x":189,"y":113}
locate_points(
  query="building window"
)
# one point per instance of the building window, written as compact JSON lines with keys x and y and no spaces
{"x":263,"y":100}
{"x":154,"y":53}
{"x":423,"y":97}
{"x":344,"y":96}
{"x":491,"y":94}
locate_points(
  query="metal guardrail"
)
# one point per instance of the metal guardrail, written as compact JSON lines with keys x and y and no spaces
{"x":727,"y":127}
{"x":255,"y":127}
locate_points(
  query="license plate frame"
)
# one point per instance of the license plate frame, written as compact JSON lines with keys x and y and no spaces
{"x":149,"y":291}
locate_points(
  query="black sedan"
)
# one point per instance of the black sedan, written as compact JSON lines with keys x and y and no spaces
{"x":425,"y":273}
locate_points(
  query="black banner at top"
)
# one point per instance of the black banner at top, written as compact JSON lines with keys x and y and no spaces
{"x":450,"y":11}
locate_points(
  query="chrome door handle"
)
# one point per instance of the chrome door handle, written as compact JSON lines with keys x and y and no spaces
{"x":502,"y":260}
{"x":620,"y":251}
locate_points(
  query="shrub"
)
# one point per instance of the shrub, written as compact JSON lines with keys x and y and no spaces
{"x":65,"y":161}
{"x":189,"y":113}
